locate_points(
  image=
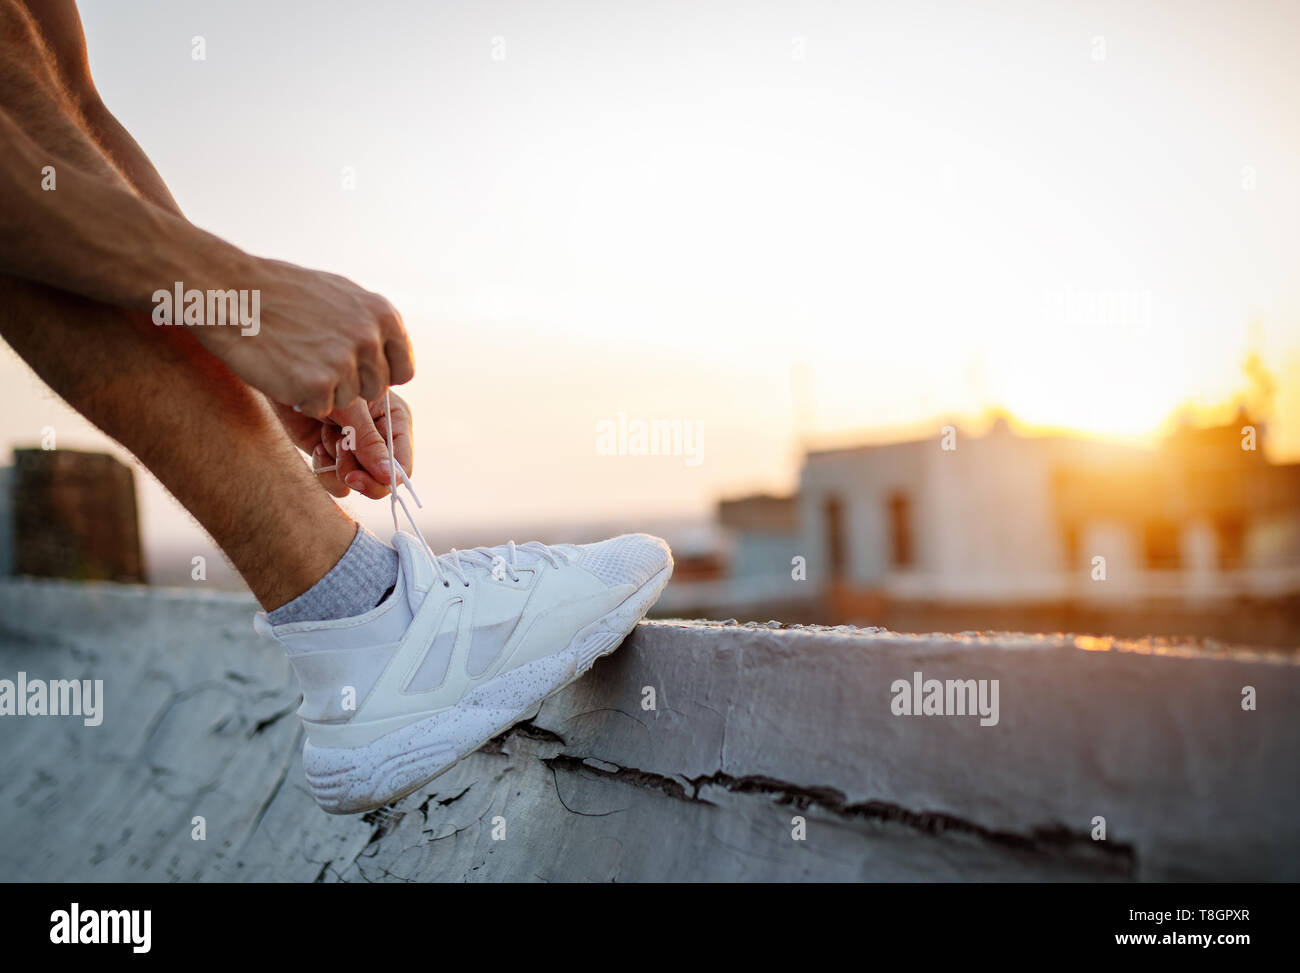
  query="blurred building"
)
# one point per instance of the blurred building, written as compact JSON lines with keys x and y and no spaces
{"x":1010,"y":531}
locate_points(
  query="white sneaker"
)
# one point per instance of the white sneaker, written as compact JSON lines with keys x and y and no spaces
{"x":468,"y":644}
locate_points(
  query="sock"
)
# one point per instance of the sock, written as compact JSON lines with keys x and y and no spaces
{"x":364,"y":576}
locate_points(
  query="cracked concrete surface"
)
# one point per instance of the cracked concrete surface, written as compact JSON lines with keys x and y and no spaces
{"x":752,"y":728}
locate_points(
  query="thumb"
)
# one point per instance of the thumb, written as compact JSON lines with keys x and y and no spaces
{"x":369,"y":448}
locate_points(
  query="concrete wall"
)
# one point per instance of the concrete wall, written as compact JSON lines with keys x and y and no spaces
{"x":752,"y":728}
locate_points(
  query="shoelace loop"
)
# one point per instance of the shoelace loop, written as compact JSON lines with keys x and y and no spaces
{"x":489,"y":557}
{"x":452,"y":559}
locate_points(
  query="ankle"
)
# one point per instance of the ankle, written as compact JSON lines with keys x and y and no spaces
{"x":354,"y":585}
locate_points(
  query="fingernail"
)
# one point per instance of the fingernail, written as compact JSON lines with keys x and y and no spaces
{"x":385,"y":467}
{"x":318,"y":452}
{"x":355,"y":481}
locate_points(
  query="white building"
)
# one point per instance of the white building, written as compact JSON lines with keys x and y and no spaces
{"x":1016,"y":519}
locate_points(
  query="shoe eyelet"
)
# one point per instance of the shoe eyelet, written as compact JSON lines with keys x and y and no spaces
{"x":466,"y":584}
{"x":446,"y":584}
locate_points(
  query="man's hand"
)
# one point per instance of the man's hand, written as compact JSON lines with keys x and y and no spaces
{"x":114,"y":234}
{"x":364,"y":469}
{"x":322,"y":341}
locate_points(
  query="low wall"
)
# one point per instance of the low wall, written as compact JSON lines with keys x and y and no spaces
{"x":700,"y":750}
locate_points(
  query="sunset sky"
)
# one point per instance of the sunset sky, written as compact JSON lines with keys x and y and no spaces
{"x":814,"y":219}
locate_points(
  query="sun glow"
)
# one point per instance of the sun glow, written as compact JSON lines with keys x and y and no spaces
{"x":929,"y":218}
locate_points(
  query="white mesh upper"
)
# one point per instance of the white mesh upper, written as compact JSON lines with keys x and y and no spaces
{"x":628,"y":559}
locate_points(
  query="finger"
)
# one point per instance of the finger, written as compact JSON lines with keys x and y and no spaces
{"x":401,"y":363}
{"x":362,"y":453}
{"x":330,"y":436}
{"x":329,"y":481}
{"x":371,"y":445}
{"x":346,"y":391}
{"x":334,"y":443}
{"x":397,"y":345}
{"x":403,"y":445}
{"x":366,"y":485}
{"x":372,"y":371}
{"x":317,"y":405}
{"x":316,"y":394}
{"x":355,"y":477}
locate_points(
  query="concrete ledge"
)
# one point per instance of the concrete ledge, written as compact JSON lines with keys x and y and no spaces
{"x":752,"y":727}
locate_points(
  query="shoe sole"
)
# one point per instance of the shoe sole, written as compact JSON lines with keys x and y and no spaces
{"x":356,"y":779}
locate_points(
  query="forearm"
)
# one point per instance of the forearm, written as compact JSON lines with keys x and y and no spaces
{"x":125,"y":153}
{"x":96,"y":238}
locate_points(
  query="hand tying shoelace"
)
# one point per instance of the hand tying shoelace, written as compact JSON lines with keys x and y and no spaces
{"x":396,"y":694}
{"x":488,"y":556}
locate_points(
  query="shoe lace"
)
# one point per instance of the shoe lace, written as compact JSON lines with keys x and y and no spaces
{"x":454,"y":561}
{"x":491,"y":557}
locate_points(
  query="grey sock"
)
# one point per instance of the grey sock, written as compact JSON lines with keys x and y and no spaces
{"x":359,"y":582}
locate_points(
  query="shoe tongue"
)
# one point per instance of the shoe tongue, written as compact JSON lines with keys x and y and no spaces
{"x":414,"y":571}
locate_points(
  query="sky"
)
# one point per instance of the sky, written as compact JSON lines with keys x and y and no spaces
{"x":779,"y":223}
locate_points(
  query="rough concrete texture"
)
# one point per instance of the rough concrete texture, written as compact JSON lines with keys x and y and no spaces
{"x":751,"y":728}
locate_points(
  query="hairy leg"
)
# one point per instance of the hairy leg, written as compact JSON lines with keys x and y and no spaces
{"x":211,"y":440}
